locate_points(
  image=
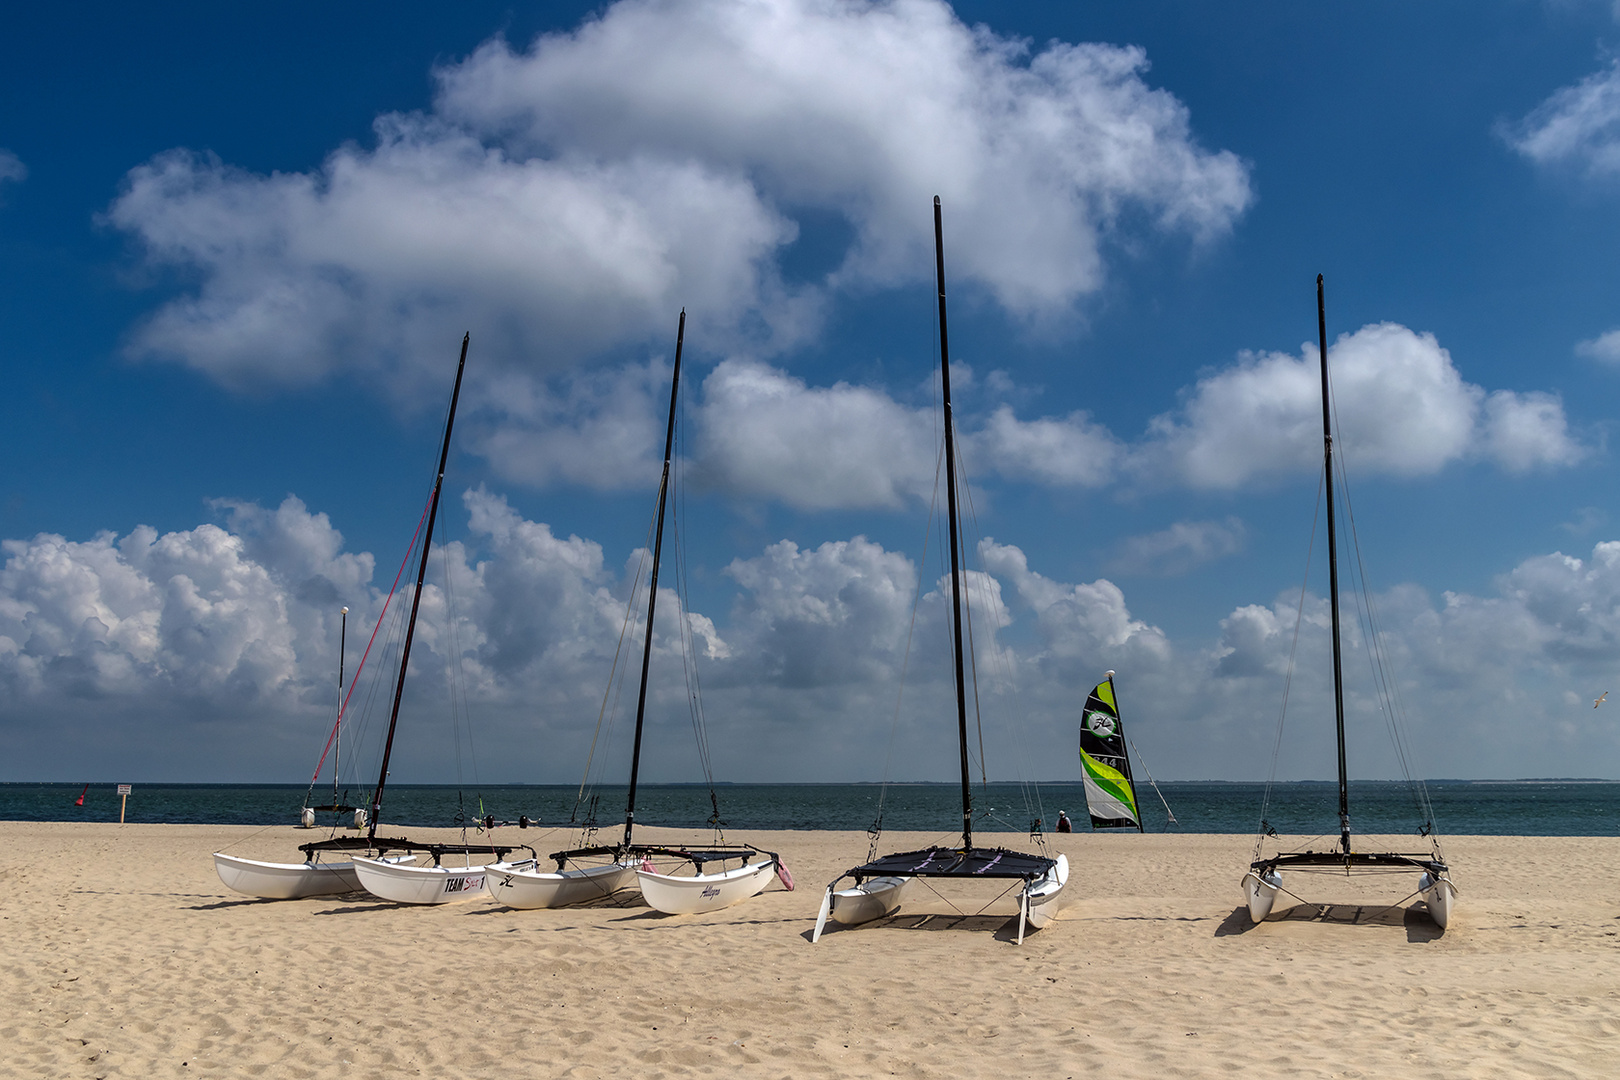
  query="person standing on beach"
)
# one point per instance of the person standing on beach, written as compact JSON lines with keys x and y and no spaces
{"x":1063,"y":822}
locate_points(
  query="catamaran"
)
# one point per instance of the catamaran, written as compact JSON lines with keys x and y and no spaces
{"x":595,"y":871}
{"x":1263,"y":881}
{"x":291,"y":881}
{"x":880,"y":884}
{"x":384,"y":870}
{"x":393,"y":879}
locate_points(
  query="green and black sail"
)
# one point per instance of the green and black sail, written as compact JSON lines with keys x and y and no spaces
{"x":1110,"y":794}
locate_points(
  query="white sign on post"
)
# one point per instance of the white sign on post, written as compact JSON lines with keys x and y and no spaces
{"x":123,"y":795}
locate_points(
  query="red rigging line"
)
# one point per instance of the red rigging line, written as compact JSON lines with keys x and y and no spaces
{"x":344,"y":708}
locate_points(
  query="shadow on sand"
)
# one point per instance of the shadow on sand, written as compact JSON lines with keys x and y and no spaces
{"x":1420,"y":927}
{"x":1004,"y":928}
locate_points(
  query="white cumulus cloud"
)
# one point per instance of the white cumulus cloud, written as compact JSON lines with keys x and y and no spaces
{"x":210,"y":653}
{"x":598,"y":428}
{"x":1401,"y":408}
{"x":1180,"y":548}
{"x":11,"y":167}
{"x":385,"y":256}
{"x":1088,"y":620}
{"x":167,"y":645}
{"x":1497,"y":685}
{"x":563,"y":201}
{"x":1068,"y":451}
{"x":870,"y":109}
{"x":1604,"y":348}
{"x":834,"y":614}
{"x":764,"y":432}
{"x":1578,"y":126}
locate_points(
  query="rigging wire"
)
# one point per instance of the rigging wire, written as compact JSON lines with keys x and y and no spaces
{"x":1001,"y":664}
{"x":383,"y":678}
{"x":1148,"y":773}
{"x":449,"y":658}
{"x":983,"y":580}
{"x":972,"y":646}
{"x":1385,"y":682}
{"x":935,"y":521}
{"x":344,"y":705}
{"x":876,"y":830}
{"x":461,"y":717}
{"x":1288,"y":679}
{"x":396,"y":665}
{"x":685,"y":634}
{"x":615,"y":679}
{"x":385,"y":672}
{"x":636,"y":606}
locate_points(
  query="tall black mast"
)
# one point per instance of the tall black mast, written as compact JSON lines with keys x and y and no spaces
{"x":1333,"y":573}
{"x":950,"y":500}
{"x":416,"y":600}
{"x":337,"y":736}
{"x":652,"y":583}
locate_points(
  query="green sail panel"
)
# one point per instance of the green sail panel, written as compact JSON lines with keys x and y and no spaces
{"x":1110,"y":794}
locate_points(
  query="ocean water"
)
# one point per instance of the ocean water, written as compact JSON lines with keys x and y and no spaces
{"x":1505,"y":808}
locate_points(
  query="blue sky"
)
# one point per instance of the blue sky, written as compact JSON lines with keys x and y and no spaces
{"x":239,"y":247}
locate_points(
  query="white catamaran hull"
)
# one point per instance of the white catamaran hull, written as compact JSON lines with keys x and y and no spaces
{"x":704,"y":892}
{"x":1439,"y":893}
{"x":1043,"y":894}
{"x":1261,"y":893}
{"x":285,"y":881}
{"x":873,"y":898}
{"x":419,"y":884}
{"x":1038,"y":904}
{"x":523,"y":885}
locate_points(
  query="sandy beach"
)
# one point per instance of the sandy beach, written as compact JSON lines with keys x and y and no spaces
{"x":123,"y":955}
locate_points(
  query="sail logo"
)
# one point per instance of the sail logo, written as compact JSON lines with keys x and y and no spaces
{"x":1102,"y":725}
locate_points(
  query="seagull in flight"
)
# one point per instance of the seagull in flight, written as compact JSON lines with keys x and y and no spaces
{"x":1600,"y":700}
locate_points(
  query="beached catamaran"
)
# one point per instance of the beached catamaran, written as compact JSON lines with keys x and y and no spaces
{"x":290,"y":881}
{"x":881,"y":883}
{"x":595,"y":871}
{"x":386,"y":872}
{"x":1263,"y":881}
{"x":396,"y":879}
